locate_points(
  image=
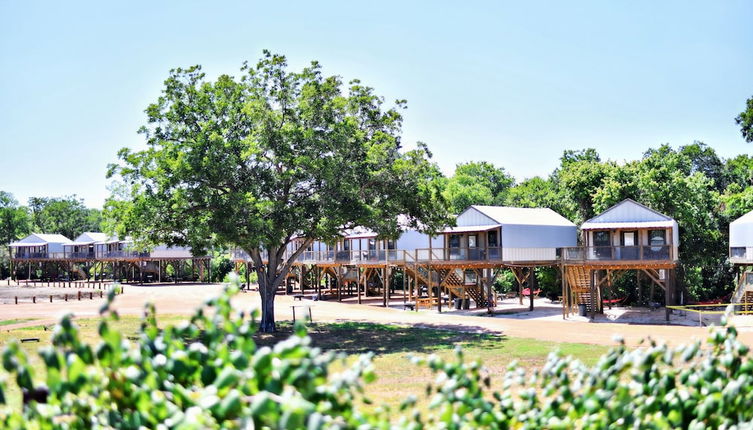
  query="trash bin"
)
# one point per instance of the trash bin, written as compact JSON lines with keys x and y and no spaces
{"x":458,"y":303}
{"x":466,"y":303}
{"x":582,"y":311}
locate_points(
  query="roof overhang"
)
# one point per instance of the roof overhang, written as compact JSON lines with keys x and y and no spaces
{"x":22,"y":245}
{"x":626,"y":224}
{"x":471,"y":228}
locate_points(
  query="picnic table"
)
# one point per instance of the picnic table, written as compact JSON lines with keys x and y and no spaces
{"x":305,"y":307}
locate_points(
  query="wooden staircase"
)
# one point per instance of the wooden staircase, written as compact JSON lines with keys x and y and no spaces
{"x":451,"y":279}
{"x":580,"y":283}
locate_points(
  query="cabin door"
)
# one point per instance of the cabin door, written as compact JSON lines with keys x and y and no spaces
{"x":629,"y":242}
{"x":473,"y":250}
{"x":454,"y":246}
{"x":492,"y":245}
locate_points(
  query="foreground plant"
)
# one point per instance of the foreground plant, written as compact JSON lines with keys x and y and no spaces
{"x":205,"y":373}
{"x":209,"y":373}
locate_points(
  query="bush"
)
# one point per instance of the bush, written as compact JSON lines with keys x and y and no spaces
{"x":209,"y":373}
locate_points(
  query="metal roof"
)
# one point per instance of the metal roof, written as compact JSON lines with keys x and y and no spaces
{"x":523,"y":216}
{"x":628,"y":211}
{"x":88,"y":238}
{"x":745,"y":219}
{"x":38,"y":239}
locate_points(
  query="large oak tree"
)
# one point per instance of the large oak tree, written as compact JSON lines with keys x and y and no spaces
{"x":256,"y":161}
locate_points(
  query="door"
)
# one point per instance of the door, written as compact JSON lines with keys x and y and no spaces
{"x":473,"y":251}
{"x":493,"y":245}
{"x":454,"y":245}
{"x":658,"y":249}
{"x":629,"y":242}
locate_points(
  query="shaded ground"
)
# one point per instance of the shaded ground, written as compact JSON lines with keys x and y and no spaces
{"x":545,"y":323}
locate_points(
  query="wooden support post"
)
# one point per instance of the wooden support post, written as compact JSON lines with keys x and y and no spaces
{"x":385,"y":287}
{"x":563,"y":281}
{"x":532,"y":284}
{"x":360,"y":281}
{"x":592,"y":295}
{"x":248,"y":275}
{"x":159,"y":271}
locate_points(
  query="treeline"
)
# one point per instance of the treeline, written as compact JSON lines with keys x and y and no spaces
{"x":64,"y":215}
{"x":701,"y":190}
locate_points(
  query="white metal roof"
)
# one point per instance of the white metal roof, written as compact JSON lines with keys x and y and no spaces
{"x":745,"y":219}
{"x":88,"y":238}
{"x":506,"y":215}
{"x":627,"y":211}
{"x":37,"y":239}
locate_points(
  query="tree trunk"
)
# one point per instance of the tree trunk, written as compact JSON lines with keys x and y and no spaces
{"x":267,"y":293}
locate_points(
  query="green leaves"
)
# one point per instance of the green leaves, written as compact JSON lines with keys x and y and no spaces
{"x":208,"y":373}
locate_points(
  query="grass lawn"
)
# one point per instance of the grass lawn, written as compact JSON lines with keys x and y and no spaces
{"x":393,"y":346}
{"x":16,"y":321}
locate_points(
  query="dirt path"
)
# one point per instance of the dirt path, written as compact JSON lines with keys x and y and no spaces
{"x":183,"y":299}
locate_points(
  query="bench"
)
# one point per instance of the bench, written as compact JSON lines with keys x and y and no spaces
{"x":306,"y":307}
{"x":298,"y":297}
{"x":409,"y":305}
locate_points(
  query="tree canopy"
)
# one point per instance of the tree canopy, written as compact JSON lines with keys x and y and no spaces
{"x":257,"y":161}
{"x":64,"y":215}
{"x":745,"y":121}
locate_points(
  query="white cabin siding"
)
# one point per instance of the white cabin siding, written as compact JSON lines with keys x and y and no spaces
{"x":473,"y":217}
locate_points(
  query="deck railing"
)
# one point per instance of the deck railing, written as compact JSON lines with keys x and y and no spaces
{"x":618,"y":253}
{"x":39,"y":256}
{"x":80,"y":255}
{"x":123,"y":254}
{"x":494,"y":254}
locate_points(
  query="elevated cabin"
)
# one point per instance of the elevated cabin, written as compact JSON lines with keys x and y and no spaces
{"x":39,"y":246}
{"x":84,"y":246}
{"x":510,"y":235}
{"x":741,"y":240}
{"x":363,"y":246}
{"x":741,"y":256}
{"x":628,"y":233}
{"x":116,"y":249}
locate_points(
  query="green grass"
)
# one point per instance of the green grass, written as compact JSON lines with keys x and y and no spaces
{"x":393,"y":346}
{"x":15,"y":321}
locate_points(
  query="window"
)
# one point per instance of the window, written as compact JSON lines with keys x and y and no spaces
{"x":657,"y":238}
{"x":346,"y":245}
{"x":454,"y":241}
{"x":372,"y":244}
{"x":472,"y":241}
{"x":390,"y":244}
{"x":601,"y":238}
{"x":492,"y":239}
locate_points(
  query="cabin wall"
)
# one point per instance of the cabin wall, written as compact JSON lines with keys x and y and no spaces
{"x":163,"y":251}
{"x":472,"y":217}
{"x":539,"y":236}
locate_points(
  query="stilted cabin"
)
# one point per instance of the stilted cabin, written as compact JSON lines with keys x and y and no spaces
{"x":84,"y":246}
{"x":741,"y":240}
{"x":510,"y":235}
{"x":39,"y":246}
{"x":114,"y":248}
{"x":629,"y":232}
{"x":627,"y":236}
{"x":741,"y":257}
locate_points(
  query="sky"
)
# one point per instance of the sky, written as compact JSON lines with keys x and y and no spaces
{"x":513,"y":83}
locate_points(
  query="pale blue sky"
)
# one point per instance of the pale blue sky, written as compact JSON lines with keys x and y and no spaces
{"x":514,"y":83}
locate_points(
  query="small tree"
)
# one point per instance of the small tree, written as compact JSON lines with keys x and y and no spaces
{"x":14,"y":221}
{"x":256,"y":161}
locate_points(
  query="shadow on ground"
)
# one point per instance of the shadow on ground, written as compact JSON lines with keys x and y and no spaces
{"x":361,"y":337}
